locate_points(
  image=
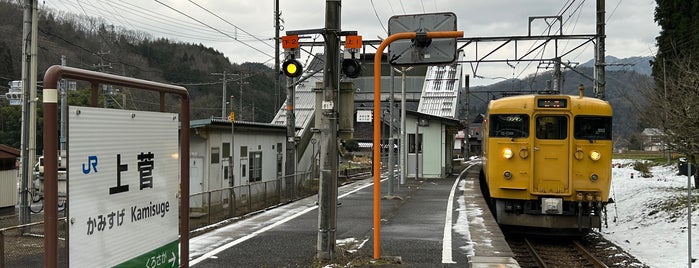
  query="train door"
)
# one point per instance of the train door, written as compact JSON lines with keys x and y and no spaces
{"x":551,"y":155}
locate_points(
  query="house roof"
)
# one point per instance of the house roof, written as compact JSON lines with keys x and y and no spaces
{"x":652,"y":132}
{"x":447,"y":121}
{"x":239,"y":125}
{"x":8,"y":152}
{"x":440,"y":92}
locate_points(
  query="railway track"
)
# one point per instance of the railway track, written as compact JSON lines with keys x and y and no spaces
{"x":553,"y":252}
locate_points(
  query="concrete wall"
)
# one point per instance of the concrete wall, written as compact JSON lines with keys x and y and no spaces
{"x":8,"y":188}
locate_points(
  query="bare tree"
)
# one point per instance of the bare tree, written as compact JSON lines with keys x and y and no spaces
{"x":674,"y":106}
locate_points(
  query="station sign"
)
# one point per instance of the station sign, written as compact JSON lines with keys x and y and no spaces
{"x":123,"y":188}
{"x":364,"y":116}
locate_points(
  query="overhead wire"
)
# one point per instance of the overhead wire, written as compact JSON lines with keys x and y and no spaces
{"x":144,"y":16}
{"x":207,"y":25}
{"x":377,"y":16}
{"x":229,"y":23}
{"x":563,"y":9}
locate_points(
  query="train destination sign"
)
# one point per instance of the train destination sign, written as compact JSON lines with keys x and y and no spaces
{"x":124,"y":177}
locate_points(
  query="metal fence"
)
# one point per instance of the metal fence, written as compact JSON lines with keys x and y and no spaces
{"x":221,"y":204}
{"x":23,"y":245}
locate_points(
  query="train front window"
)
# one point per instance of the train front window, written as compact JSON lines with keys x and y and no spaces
{"x":552,"y":127}
{"x":509,"y":125}
{"x":593,"y":127}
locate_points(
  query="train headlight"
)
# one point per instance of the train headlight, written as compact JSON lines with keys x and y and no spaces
{"x":595,"y":155}
{"x":594,"y":177}
{"x":507,"y":174}
{"x":507,"y":153}
{"x":579,"y":154}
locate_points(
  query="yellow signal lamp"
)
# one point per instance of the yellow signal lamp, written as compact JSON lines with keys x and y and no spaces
{"x":292,"y":68}
{"x":507,"y":153}
{"x":595,"y":155}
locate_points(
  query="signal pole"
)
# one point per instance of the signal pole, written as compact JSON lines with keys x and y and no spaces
{"x":327,"y":193}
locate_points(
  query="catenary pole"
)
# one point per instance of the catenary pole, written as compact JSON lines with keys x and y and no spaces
{"x":327,"y":193}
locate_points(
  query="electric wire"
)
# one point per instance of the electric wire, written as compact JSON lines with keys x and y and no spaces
{"x":229,"y":23}
{"x":377,"y":16}
{"x":221,"y":32}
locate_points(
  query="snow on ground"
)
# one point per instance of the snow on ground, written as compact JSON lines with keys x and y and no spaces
{"x":649,"y":218}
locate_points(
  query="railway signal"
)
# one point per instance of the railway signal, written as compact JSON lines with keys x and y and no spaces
{"x":291,"y":67}
{"x":351,"y":66}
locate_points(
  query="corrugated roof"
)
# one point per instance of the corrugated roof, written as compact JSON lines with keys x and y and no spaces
{"x":216,"y":121}
{"x":440,"y":92}
{"x":304,"y":104}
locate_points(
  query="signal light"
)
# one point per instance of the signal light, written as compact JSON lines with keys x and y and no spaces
{"x":292,"y":68}
{"x":351,"y":68}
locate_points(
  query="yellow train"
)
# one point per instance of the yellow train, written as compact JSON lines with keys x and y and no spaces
{"x":547,"y":161}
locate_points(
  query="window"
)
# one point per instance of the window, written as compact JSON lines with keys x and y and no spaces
{"x":215,"y":155}
{"x":593,"y":127}
{"x":243,"y":151}
{"x":413,"y":144}
{"x":226,"y":150}
{"x":552,"y":127}
{"x":255,"y":166}
{"x":509,"y":125}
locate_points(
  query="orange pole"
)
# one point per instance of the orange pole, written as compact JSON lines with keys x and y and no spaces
{"x":377,"y":124}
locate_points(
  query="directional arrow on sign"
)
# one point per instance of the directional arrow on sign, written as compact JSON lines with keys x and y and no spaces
{"x":172,"y":260}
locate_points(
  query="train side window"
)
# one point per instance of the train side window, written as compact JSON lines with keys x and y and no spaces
{"x":552,"y":127}
{"x":509,"y":125}
{"x":593,"y":127}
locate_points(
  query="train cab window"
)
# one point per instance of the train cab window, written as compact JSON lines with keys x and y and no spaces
{"x":592,"y":127}
{"x":551,"y":127}
{"x":509,"y":125}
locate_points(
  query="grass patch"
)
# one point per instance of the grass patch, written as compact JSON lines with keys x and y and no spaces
{"x":675,"y":207}
{"x":349,"y":253}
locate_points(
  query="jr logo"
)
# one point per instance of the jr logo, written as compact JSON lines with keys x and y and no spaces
{"x":90,"y":165}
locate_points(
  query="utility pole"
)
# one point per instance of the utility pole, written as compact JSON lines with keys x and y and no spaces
{"x":223,"y":93}
{"x":240,"y":97}
{"x":64,"y":109}
{"x":277,"y":75}
{"x":403,"y":134}
{"x":327,"y":193}
{"x":599,"y":52}
{"x":28,"y":143}
{"x":390,"y":136}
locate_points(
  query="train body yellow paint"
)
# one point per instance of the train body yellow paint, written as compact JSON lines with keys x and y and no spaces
{"x":547,"y":160}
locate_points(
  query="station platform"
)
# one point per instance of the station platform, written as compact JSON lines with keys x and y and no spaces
{"x":424,"y":223}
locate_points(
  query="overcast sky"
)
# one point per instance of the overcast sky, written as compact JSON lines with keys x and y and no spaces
{"x":243,"y":29}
